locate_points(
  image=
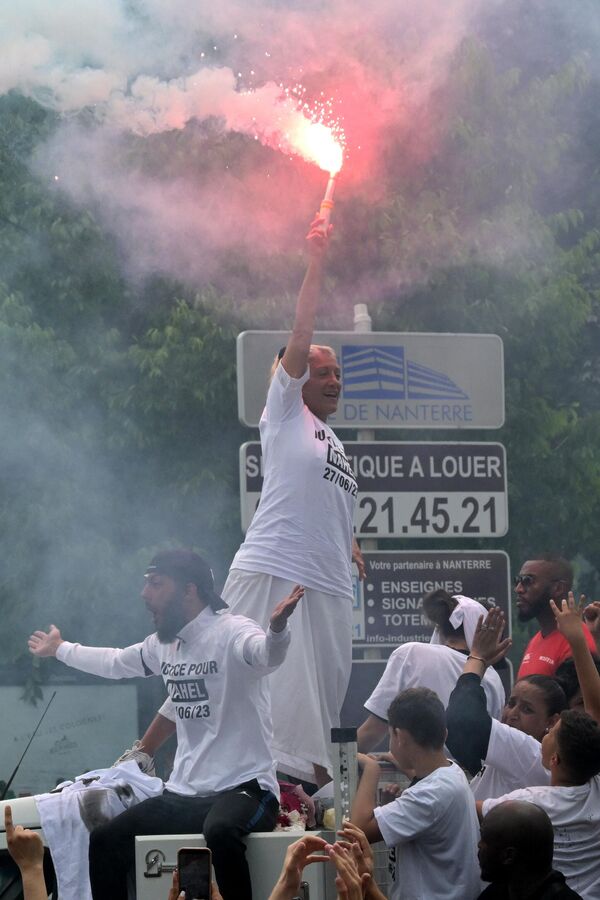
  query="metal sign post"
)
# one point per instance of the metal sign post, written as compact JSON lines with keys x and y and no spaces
{"x":345,"y":772}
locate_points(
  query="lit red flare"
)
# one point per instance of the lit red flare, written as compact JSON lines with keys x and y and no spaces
{"x":316,"y":135}
{"x":312,"y":130}
{"x":317,"y":143}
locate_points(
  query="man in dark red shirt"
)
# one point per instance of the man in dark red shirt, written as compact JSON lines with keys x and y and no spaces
{"x":540,"y":580}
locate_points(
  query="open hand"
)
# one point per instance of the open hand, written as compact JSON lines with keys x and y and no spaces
{"x":487,"y":642}
{"x":568,"y":617}
{"x":349,"y":882}
{"x":285,"y":608}
{"x":297,"y":856}
{"x":355,"y":839}
{"x":43,"y":643}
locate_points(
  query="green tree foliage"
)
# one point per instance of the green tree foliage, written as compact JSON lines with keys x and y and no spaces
{"x":529,"y":273}
{"x":118,"y":414}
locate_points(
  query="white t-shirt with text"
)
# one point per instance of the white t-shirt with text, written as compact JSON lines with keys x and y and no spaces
{"x":302,"y":528}
{"x":213,"y":674}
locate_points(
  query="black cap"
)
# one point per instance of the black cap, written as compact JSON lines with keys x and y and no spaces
{"x":187,"y":567}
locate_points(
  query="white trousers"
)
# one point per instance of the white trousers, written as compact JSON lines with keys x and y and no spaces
{"x":308,"y":689}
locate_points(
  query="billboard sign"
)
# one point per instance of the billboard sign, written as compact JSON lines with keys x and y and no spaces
{"x":410,"y":490}
{"x":392,"y":380}
{"x":388,"y":609}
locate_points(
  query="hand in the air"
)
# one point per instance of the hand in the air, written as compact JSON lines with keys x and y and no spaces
{"x":42,"y":643}
{"x":25,"y":846}
{"x":285,"y":608}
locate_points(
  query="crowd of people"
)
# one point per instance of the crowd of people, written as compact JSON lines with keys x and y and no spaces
{"x":530,"y":828}
{"x":256,"y":679}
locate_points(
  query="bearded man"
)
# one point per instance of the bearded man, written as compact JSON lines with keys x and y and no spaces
{"x":213,"y":664}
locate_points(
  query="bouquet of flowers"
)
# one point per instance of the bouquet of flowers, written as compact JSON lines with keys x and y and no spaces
{"x":296,"y":809}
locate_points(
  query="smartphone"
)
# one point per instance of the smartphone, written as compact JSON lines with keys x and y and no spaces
{"x":194,"y":865}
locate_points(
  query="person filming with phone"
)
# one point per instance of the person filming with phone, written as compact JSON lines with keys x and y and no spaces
{"x":192,"y":879}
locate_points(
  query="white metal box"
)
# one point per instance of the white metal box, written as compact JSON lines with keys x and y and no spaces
{"x":156,"y":857}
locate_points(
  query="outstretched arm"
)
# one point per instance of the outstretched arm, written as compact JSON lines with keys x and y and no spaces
{"x":284,"y":609}
{"x":45,"y":643}
{"x":132,"y":662}
{"x":568,"y":620}
{"x":295,"y":358}
{"x":468,"y":721}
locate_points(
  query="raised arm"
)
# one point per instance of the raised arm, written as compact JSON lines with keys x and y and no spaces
{"x":264,"y":652}
{"x":295,"y":358}
{"x":568,"y":620}
{"x":468,"y":721}
{"x":27,"y":850}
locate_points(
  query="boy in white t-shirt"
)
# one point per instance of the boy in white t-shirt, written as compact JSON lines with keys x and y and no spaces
{"x":571,"y":752}
{"x":433,"y":825}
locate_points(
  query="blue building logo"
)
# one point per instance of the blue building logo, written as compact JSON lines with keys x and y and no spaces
{"x":384,"y":373}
